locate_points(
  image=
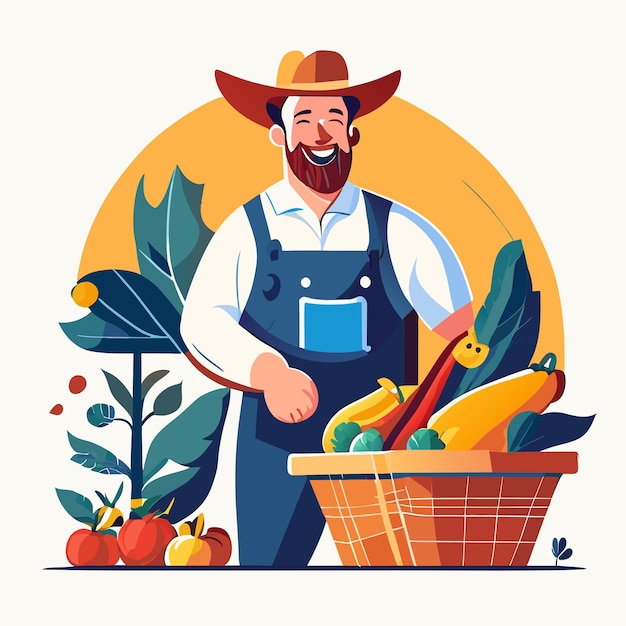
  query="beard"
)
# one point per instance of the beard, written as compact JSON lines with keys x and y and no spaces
{"x":325,"y":174}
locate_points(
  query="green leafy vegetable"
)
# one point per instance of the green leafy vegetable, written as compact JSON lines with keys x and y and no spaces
{"x":425,"y":439}
{"x":343,"y":434}
{"x":369,"y":440}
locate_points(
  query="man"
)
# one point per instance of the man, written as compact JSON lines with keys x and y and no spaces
{"x":301,"y":297}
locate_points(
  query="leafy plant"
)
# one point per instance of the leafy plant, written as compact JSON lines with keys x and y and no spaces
{"x":138,"y":313}
{"x":560,"y":551}
{"x":508,"y":322}
{"x":190,"y":441}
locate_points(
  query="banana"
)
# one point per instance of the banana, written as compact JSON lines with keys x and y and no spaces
{"x":369,"y":409}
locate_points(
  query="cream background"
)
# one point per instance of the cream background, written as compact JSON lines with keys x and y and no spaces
{"x":537,"y":87}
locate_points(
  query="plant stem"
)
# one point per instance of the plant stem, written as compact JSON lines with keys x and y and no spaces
{"x":136,"y":444}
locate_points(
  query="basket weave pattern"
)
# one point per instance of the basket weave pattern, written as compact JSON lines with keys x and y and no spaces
{"x":441,"y":520}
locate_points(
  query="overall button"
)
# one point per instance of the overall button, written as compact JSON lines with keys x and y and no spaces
{"x":305,"y":282}
{"x":271,"y":286}
{"x":365,"y":282}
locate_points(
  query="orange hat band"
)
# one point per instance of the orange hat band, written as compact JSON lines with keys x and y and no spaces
{"x":323,"y":86}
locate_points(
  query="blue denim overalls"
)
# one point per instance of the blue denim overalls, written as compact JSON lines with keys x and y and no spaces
{"x":340,"y":317}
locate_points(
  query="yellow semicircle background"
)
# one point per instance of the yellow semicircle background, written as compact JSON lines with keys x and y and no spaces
{"x":404,"y":154}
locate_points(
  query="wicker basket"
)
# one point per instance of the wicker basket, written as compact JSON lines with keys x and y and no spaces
{"x":434,"y":507}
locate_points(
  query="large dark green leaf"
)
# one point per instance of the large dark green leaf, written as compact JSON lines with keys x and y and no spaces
{"x":96,"y":458}
{"x":533,"y":432}
{"x":97,"y":335}
{"x":508,"y":322}
{"x":77,"y":505}
{"x":171,"y":237}
{"x":191,"y":440}
{"x":169,"y":483}
{"x":188,"y":435}
{"x":137,"y":308}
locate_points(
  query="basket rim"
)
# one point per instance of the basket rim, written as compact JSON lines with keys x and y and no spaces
{"x":431,"y":462}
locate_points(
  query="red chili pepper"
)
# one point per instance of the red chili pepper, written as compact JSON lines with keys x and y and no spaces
{"x":421,"y":405}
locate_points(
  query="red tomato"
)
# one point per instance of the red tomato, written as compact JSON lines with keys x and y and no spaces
{"x":221,"y":545}
{"x":88,"y":547}
{"x":143,"y":541}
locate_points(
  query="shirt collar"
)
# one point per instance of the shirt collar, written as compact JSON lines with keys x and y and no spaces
{"x":283,"y":198}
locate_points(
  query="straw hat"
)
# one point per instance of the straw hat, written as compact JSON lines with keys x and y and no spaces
{"x":322,"y":73}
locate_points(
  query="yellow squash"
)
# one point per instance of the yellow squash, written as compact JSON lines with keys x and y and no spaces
{"x":479,"y":418}
{"x":367,"y":410}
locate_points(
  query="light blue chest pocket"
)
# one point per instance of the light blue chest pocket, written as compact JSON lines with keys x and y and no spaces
{"x":333,"y":326}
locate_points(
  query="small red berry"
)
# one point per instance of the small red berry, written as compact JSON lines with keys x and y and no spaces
{"x":77,"y":384}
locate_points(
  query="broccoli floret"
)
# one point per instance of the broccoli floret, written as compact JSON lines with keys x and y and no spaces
{"x":425,"y":439}
{"x":344,"y":433}
{"x":369,"y":441}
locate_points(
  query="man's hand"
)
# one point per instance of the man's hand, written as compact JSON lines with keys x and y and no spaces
{"x":290,"y":395}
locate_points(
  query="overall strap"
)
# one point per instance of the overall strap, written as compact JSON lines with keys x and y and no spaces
{"x":256,"y":217}
{"x":378,"y":216}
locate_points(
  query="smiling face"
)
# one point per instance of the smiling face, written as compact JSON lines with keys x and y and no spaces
{"x":317,"y":140}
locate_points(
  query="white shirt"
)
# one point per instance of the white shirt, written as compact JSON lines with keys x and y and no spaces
{"x":428,"y":270}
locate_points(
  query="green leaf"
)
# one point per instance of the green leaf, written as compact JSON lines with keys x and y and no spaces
{"x":100,"y":415}
{"x":169,"y":483}
{"x":118,"y":494}
{"x":490,"y":315}
{"x":120,"y":392}
{"x":77,"y":505}
{"x":188,"y":435}
{"x":96,"y":458}
{"x":169,"y":400}
{"x":508,"y":321}
{"x":150,"y":380}
{"x":171,"y":237}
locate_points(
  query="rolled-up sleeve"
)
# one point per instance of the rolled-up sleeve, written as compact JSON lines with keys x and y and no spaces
{"x":217,"y":296}
{"x":429,"y":272}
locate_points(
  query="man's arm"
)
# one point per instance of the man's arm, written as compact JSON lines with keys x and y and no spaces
{"x":218,"y":346}
{"x":429,"y":273}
